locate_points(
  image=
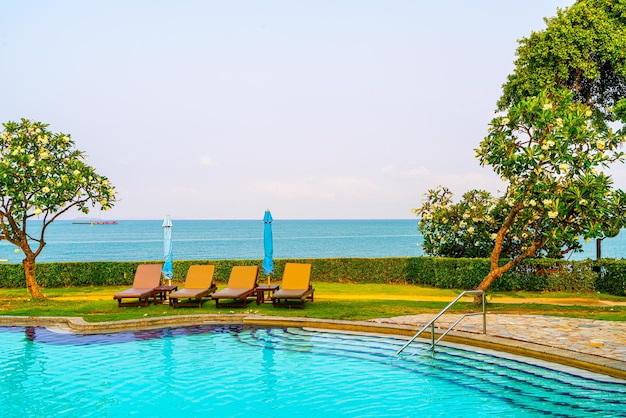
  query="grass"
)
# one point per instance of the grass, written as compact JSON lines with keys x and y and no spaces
{"x":333,"y":301}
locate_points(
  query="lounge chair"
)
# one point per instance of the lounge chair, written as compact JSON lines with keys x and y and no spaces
{"x":296,"y":285}
{"x":241,"y":285}
{"x":198,"y":285}
{"x":147,"y":277}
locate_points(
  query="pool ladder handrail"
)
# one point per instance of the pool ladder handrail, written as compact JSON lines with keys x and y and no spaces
{"x":431,"y":323}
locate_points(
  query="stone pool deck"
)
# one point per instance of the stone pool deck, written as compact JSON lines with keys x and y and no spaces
{"x":603,"y":342}
{"x":598,"y":346}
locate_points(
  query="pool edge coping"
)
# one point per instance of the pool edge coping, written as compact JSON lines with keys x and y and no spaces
{"x":611,"y":367}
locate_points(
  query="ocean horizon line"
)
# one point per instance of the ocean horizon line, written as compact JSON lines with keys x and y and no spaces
{"x":100,"y":239}
{"x":235,"y":219}
{"x":133,"y":239}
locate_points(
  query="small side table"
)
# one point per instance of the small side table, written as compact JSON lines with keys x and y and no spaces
{"x":260,"y":293}
{"x":162,"y":292}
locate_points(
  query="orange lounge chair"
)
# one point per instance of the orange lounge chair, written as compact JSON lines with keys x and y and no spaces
{"x":296,"y":285}
{"x":198,"y":285}
{"x":241,"y":285}
{"x":147,"y":277}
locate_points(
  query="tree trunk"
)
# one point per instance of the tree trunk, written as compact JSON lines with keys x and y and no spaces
{"x":31,"y":282}
{"x":490,"y":278}
{"x":497,"y":271}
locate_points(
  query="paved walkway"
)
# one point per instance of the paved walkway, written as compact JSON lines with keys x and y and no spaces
{"x":587,"y":336}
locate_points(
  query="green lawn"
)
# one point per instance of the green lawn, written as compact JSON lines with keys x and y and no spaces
{"x":332,"y":301}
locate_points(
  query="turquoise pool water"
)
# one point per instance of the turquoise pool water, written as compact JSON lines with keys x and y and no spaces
{"x":228,"y":371}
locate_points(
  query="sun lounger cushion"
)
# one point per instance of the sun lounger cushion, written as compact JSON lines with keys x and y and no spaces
{"x":243,"y":277}
{"x":198,"y":284}
{"x":147,"y":277}
{"x":289,"y":294}
{"x":199,"y":277}
{"x":296,"y":276}
{"x":241,"y":284}
{"x":134,"y":293}
{"x":296,"y":284}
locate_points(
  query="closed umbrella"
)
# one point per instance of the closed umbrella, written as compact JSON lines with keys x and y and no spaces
{"x":167,"y":271}
{"x":268,"y":245}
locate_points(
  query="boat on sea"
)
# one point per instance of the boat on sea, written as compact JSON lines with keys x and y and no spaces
{"x":95,"y":222}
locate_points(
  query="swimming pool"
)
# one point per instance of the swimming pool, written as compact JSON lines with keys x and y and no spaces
{"x":233,"y":370}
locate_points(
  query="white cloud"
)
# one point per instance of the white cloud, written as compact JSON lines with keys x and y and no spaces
{"x":408,"y":173}
{"x":327,"y":188}
{"x":207,"y":161}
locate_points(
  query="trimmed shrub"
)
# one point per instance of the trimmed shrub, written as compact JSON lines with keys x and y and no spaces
{"x":608,"y":276}
{"x":611,"y":276}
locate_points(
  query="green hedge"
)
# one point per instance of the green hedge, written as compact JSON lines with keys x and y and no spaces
{"x":607,"y":276}
{"x":531,"y":275}
{"x":611,"y":276}
{"x":70,"y":274}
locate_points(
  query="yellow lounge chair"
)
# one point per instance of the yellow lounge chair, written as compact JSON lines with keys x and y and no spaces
{"x":147,"y":277}
{"x":296,"y":285}
{"x":241,"y":285}
{"x":198,"y":285}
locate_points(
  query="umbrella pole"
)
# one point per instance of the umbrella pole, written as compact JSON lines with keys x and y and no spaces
{"x":268,"y":280}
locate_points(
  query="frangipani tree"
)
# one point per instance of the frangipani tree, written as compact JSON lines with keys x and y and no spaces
{"x":463,"y":229}
{"x":552,"y":153}
{"x":43,"y":176}
{"x":553,"y":140}
{"x":468,"y":228}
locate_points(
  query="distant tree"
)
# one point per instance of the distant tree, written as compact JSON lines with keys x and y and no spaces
{"x":42,"y":176}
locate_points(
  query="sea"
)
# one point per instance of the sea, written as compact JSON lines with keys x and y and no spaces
{"x":142,"y":240}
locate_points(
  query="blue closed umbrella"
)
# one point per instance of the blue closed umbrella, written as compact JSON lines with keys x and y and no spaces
{"x":167,"y":271}
{"x":268,"y":246}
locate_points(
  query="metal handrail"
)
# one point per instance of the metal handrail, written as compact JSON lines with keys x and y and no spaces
{"x":431,"y":323}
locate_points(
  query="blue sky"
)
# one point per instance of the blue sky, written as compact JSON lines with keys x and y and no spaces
{"x":343,"y":109}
